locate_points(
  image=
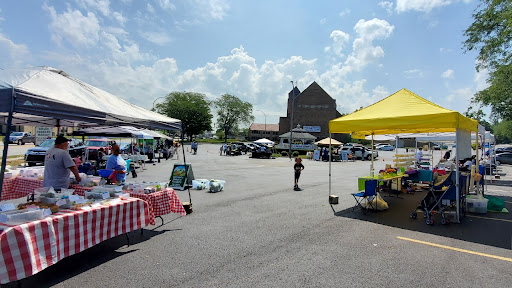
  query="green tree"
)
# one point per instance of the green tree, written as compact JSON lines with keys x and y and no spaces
{"x":503,"y":132}
{"x":231,"y":113}
{"x":491,"y":35}
{"x":193,"y":109}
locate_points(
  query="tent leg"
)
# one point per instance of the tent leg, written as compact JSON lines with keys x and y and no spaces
{"x":6,"y":144}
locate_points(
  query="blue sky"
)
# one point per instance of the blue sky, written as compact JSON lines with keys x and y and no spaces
{"x":358,"y":51}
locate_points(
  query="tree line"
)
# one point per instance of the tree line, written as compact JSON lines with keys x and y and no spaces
{"x":195,"y":112}
{"x":490,"y":35}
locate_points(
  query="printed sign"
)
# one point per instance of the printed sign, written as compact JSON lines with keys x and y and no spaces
{"x":312,"y":128}
{"x":181,"y":176}
{"x":316,"y":155}
{"x":43,"y":133}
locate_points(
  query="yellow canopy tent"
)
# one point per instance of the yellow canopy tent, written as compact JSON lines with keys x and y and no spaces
{"x":401,"y":112}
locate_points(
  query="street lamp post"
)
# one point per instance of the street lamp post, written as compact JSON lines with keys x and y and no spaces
{"x":265,"y":133}
{"x":291,"y":122}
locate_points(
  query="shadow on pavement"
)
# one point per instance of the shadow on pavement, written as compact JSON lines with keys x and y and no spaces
{"x":493,"y":229}
{"x":76,"y":264}
{"x":499,"y":182}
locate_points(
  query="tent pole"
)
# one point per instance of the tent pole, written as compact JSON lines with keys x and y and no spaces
{"x":372,"y":171}
{"x":6,"y":142}
{"x":185,"y":163}
{"x":457,"y":190}
{"x":329,"y":164}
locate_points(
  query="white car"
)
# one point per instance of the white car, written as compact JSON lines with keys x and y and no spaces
{"x":386,"y":147}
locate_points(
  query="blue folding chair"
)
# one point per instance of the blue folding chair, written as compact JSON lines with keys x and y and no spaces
{"x":370,"y":191}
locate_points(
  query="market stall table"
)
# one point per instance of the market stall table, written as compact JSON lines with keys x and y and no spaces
{"x":162,"y":202}
{"x":387,"y":180}
{"x":8,"y":189}
{"x":31,"y":247}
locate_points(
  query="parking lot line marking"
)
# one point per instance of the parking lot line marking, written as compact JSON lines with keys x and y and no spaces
{"x":456,"y":249}
{"x":489,"y":218}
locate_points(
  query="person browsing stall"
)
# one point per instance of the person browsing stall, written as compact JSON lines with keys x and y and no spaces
{"x":57,"y":165}
{"x":117,"y":163}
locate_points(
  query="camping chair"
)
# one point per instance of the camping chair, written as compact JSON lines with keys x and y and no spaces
{"x":370,"y":188}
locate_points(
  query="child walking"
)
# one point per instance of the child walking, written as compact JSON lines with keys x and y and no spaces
{"x":298,"y":167}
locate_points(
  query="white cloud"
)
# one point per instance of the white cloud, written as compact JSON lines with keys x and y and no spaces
{"x":387,"y":5}
{"x":150,"y":8}
{"x":157,"y":37}
{"x":211,"y":9}
{"x":458,"y":98}
{"x":448,"y":74}
{"x":103,"y":6}
{"x":421,"y":5}
{"x":413,"y":73}
{"x":345,"y":11}
{"x":13,"y":55}
{"x":445,"y":50}
{"x":480,"y":80}
{"x":380,"y":92}
{"x":166,"y":5}
{"x":364,"y":52}
{"x":74,"y":27}
{"x":339,"y":40}
{"x":323,"y":21}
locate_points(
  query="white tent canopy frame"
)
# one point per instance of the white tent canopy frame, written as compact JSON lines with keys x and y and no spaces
{"x":44,"y":96}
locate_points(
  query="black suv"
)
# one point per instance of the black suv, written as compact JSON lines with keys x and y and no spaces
{"x":240,"y":147}
{"x":36,"y":155}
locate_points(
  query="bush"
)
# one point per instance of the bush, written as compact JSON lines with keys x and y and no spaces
{"x":284,"y":153}
{"x":295,"y":154}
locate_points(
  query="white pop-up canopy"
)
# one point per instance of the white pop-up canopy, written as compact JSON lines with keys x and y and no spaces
{"x":44,"y":96}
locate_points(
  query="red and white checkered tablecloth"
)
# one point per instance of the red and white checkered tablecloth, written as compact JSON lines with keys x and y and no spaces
{"x":28,"y":248}
{"x":26,"y":185}
{"x":8,"y":189}
{"x":162,"y":202}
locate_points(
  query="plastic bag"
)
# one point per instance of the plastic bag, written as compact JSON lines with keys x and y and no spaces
{"x":377,"y":203}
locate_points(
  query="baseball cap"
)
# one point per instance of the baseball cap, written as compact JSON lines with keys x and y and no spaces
{"x":61,"y":139}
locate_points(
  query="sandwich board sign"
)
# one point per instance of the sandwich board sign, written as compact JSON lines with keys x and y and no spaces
{"x":181,"y":176}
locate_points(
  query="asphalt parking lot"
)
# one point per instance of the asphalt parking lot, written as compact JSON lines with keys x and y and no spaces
{"x":258,"y":232}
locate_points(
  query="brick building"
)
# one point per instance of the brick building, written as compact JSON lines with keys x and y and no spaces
{"x":269,"y":131}
{"x":313,"y":109}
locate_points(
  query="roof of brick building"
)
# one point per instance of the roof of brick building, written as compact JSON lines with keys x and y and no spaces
{"x":269,"y":127}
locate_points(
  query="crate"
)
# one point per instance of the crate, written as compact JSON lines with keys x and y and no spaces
{"x":476,"y":205}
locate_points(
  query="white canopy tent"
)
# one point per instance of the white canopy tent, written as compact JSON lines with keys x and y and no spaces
{"x":44,"y":96}
{"x":264,"y":141}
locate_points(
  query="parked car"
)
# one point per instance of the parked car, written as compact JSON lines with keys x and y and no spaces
{"x":360,"y":152}
{"x":93,"y":145}
{"x":504,"y":158}
{"x":376,"y":146}
{"x":386,"y":147}
{"x":21,"y":138}
{"x":36,"y":155}
{"x":503,"y":150}
{"x":251,"y":147}
{"x":240,"y":146}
